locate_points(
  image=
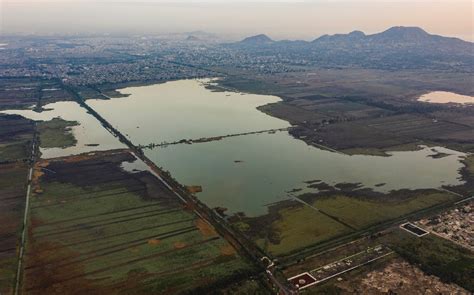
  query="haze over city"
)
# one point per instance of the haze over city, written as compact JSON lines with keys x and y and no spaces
{"x":234,"y":19}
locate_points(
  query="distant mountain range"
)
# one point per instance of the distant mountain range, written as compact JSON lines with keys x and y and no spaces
{"x":258,"y":39}
{"x":394,"y":35}
{"x":397,"y":47}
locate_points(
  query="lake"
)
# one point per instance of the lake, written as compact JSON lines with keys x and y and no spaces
{"x":446,"y":97}
{"x":246,"y":173}
{"x":184,"y":109}
{"x":88,"y":132}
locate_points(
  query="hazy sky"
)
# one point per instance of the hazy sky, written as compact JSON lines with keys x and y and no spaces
{"x":279,"y":19}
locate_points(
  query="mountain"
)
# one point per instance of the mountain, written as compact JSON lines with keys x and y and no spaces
{"x":398,"y":36}
{"x":395,"y":48}
{"x":256,"y":40}
{"x":394,"y":35}
{"x":196,"y":36}
{"x":192,"y":38}
{"x":401,"y":34}
{"x":352,"y":36}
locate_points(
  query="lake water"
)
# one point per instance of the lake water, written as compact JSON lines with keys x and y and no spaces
{"x":89,"y":130}
{"x":184,"y":110}
{"x":246,"y":173}
{"x":446,"y":97}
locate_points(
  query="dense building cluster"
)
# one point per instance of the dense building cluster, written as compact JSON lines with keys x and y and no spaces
{"x":98,"y":60}
{"x":456,"y":225}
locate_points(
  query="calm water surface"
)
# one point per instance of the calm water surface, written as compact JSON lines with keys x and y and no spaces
{"x":184,"y":110}
{"x":246,"y":173}
{"x":446,"y":97}
{"x":243,"y":173}
{"x":89,"y":131}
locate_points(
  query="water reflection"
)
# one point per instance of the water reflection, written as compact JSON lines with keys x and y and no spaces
{"x":184,"y":110}
{"x":247,"y":172}
{"x":90,"y":135}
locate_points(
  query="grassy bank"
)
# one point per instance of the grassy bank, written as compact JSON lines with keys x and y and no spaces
{"x":56,"y":133}
{"x":361,"y":213}
{"x":291,"y":228}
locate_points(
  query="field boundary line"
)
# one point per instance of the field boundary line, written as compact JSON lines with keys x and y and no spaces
{"x":118,"y":248}
{"x":451,"y":192}
{"x":325,"y":214}
{"x":128,"y":262}
{"x":97,"y":215}
{"x":25,"y":215}
{"x":78,"y":228}
{"x":76,"y":199}
{"x":79,"y":242}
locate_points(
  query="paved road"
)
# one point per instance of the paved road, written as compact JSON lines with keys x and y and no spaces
{"x":201,"y":210}
{"x":25,"y":217}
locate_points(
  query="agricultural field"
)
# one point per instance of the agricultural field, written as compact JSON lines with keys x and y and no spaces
{"x":292,"y":231}
{"x":357,"y":112}
{"x":344,"y":136}
{"x":16,"y":135}
{"x":12,"y":203}
{"x":366,"y":111}
{"x":314,"y":110}
{"x":21,"y":93}
{"x":401,"y":87}
{"x":387,"y":133}
{"x":286,"y":230}
{"x":98,"y":228}
{"x":18,"y":93}
{"x":361,"y":213}
{"x":113,"y":231}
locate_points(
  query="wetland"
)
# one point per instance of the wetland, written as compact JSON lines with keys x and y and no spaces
{"x":247,"y":173}
{"x":249,"y":166}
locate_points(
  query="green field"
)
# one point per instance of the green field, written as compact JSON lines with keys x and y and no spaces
{"x":299,"y":227}
{"x":361,"y":213}
{"x":15,"y":151}
{"x":12,"y":204}
{"x":469,"y":162}
{"x":122,"y":232}
{"x":16,"y":134}
{"x":56,"y":133}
